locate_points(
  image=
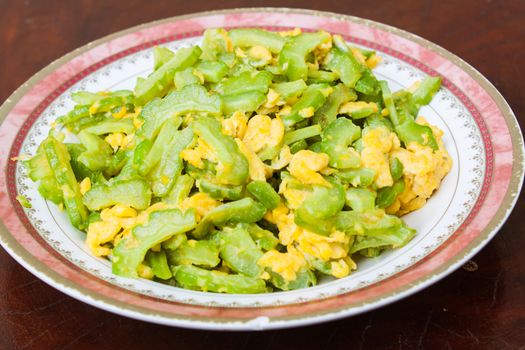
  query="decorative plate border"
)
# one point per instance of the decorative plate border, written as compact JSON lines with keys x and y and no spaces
{"x":503,"y":193}
{"x":49,"y":114}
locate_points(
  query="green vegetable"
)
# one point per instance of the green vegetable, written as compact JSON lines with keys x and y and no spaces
{"x":327,"y":113}
{"x":257,"y":37}
{"x":170,"y":164}
{"x":311,"y":100}
{"x":195,"y":278}
{"x":360,"y":199}
{"x":336,"y":139}
{"x":239,"y":252}
{"x":407,"y":130}
{"x":245,"y":210}
{"x":161,"y":55}
{"x":58,"y":158}
{"x":192,"y":99}
{"x":387,"y":195}
{"x":131,"y":250}
{"x":202,"y":253}
{"x":264,"y":193}
{"x":234,"y":166}
{"x":159,"y":264}
{"x":134,"y":193}
{"x":218,"y":191}
{"x":158,"y":82}
{"x":345,"y":65}
{"x":292,"y":58}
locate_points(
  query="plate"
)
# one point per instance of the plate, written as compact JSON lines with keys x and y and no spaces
{"x":481,"y":135}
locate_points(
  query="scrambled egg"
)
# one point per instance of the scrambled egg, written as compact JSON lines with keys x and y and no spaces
{"x":332,"y":249}
{"x":377,"y":144}
{"x":296,"y":31}
{"x":257,"y":169}
{"x":85,"y":185}
{"x":352,"y":107}
{"x":423,"y":170}
{"x":194,"y":156}
{"x":113,"y":220}
{"x":263,"y":132}
{"x":284,"y":220}
{"x":235,"y":125}
{"x":305,"y":166}
{"x":201,"y":202}
{"x":260,"y":53}
{"x":285,"y":264}
{"x":119,"y":140}
{"x":325,"y":248}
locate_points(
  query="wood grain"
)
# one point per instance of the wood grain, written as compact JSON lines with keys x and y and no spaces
{"x":481,"y":309}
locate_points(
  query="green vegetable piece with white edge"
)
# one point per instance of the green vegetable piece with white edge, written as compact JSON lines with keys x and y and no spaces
{"x":321,"y":76}
{"x":264,"y":239}
{"x":192,"y":99}
{"x":212,"y":71}
{"x":112,"y":125}
{"x":311,"y":100}
{"x":111,"y":100}
{"x":158,"y":82}
{"x":74,"y":116}
{"x":218,"y":191}
{"x":246,"y":81}
{"x":292,"y":57}
{"x":239,"y":252}
{"x":396,"y":168}
{"x":264,"y":193}
{"x":298,"y":146}
{"x":249,"y":37}
{"x":135,"y":193}
{"x":245,"y":210}
{"x":376,"y":225}
{"x":159,"y":264}
{"x":328,"y":112}
{"x":393,"y":237}
{"x":325,"y":202}
{"x":386,"y":196}
{"x":336,"y":141}
{"x":304,"y":279}
{"x":180,"y":190}
{"x":58,"y":158}
{"x":426,"y":89}
{"x":243,"y":102}
{"x":201,"y":253}
{"x":407,"y":130}
{"x":215,"y":42}
{"x":345,"y":65}
{"x":302,"y":134}
{"x":362,"y":177}
{"x":170,"y":164}
{"x":161,"y":55}
{"x":233,"y":165}
{"x":130,"y":251}
{"x":289,"y":90}
{"x":368,"y":84}
{"x":158,"y":148}
{"x":192,"y":277}
{"x":185,"y":77}
{"x":360,"y":199}
{"x":174,"y":242}
{"x":97,"y":155}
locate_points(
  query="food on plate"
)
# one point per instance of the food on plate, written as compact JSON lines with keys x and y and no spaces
{"x":257,"y":161}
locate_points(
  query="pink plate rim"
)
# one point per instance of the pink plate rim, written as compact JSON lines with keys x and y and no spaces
{"x":499,"y":129}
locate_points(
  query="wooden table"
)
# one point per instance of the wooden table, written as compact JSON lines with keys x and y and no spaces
{"x":481,"y":308}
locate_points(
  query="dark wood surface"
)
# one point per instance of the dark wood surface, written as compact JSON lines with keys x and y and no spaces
{"x":481,"y":308}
